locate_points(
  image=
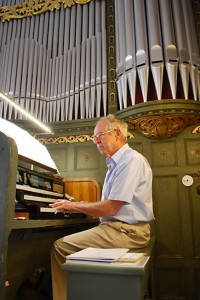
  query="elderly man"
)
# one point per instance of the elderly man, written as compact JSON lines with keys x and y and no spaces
{"x":125,"y":209}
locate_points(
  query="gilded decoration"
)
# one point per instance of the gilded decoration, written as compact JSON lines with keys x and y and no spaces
{"x":71,"y":139}
{"x":157,"y":127}
{"x":196,"y":130}
{"x":163,"y":126}
{"x":34,"y":7}
{"x":112,"y":93}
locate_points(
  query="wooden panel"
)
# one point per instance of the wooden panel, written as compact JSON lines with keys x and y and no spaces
{"x":59,"y":156}
{"x":168,"y":217}
{"x":136,"y":146}
{"x":194,"y":202}
{"x":83,"y":189}
{"x":86,"y":158}
{"x":164,"y":154}
{"x":192,"y":150}
{"x":171,"y":282}
{"x":197,"y":280}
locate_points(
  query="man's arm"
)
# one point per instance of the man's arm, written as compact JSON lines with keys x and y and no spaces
{"x":95,"y":209}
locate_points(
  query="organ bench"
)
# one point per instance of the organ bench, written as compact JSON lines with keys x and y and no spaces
{"x":116,"y":281}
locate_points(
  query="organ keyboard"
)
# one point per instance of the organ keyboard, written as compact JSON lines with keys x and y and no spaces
{"x":28,"y":186}
{"x":36,"y":190}
{"x":36,"y":202}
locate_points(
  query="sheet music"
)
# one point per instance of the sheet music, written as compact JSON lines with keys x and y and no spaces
{"x":98,"y":254}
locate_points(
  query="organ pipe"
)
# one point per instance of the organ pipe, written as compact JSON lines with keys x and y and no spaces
{"x":55,"y":64}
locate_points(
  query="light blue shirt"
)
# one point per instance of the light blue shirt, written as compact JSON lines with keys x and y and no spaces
{"x":129,"y":179}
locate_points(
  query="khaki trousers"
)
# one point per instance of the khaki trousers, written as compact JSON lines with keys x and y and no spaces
{"x":105,"y":235}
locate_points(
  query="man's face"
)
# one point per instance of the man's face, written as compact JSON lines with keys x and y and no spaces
{"x":105,"y":140}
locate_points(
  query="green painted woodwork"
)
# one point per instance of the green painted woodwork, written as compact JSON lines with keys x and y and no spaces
{"x":176,"y":207}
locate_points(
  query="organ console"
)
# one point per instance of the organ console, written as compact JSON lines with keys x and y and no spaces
{"x":28,"y":226}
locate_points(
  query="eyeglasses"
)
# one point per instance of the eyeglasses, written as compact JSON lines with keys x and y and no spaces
{"x":100,"y":135}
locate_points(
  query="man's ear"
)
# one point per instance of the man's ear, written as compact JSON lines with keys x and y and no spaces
{"x":118,"y":132}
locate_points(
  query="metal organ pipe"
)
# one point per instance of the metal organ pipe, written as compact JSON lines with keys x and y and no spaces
{"x":155,"y":45}
{"x":141,"y":47}
{"x":182,"y":45}
{"x":165,"y":36}
{"x":169,"y":44}
{"x":55,"y":64}
{"x":130,"y":49}
{"x":121,"y":38}
{"x":51,"y":66}
{"x":192,"y":46}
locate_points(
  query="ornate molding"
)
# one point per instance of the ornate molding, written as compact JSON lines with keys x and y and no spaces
{"x":66,"y":139}
{"x":163,"y":126}
{"x":71,"y":139}
{"x":112,"y":92}
{"x":196,"y":130}
{"x":34,"y":7}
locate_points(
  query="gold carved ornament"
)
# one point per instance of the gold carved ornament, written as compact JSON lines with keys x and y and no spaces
{"x":34,"y":7}
{"x":156,"y":127}
{"x":196,"y":130}
{"x":163,"y":126}
{"x":72,"y":139}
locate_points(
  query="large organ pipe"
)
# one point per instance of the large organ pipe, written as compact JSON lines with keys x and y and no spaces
{"x":130,"y":32}
{"x":72,"y":83}
{"x":83,"y":60}
{"x":181,"y":46}
{"x":92,"y":79}
{"x":120,"y":36}
{"x":155,"y":45}
{"x":69,"y":60}
{"x":8,"y":63}
{"x":34,"y":78}
{"x":38,"y":82}
{"x":122,"y":79}
{"x":77,"y":80}
{"x":55,"y":92}
{"x":104,"y":73}
{"x":130,"y":49}
{"x":97,"y":26}
{"x":169,"y":45}
{"x":66,"y":31}
{"x":25,"y":67}
{"x":141,"y":51}
{"x":101,"y":75}
{"x":42,"y":87}
{"x":91,"y":20}
{"x":94,"y":27}
{"x":14,"y":66}
{"x":192,"y":46}
{"x":29,"y":75}
{"x":98,"y":73}
{"x":87,"y":77}
{"x":77,"y":62}
{"x":22,"y":87}
{"x":82,"y":79}
{"x":61,"y":31}
{"x":64,"y":76}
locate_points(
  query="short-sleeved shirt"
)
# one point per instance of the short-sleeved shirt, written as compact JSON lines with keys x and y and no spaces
{"x":129,"y":179}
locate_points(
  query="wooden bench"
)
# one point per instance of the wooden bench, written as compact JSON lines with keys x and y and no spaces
{"x":111,"y":281}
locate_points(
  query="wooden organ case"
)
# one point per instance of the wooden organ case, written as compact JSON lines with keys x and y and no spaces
{"x":25,"y":243}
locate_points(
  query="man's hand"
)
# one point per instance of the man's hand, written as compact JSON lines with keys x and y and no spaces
{"x":65,"y":205}
{"x":95,"y":209}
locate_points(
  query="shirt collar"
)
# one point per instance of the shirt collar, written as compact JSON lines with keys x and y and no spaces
{"x":113,"y":160}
